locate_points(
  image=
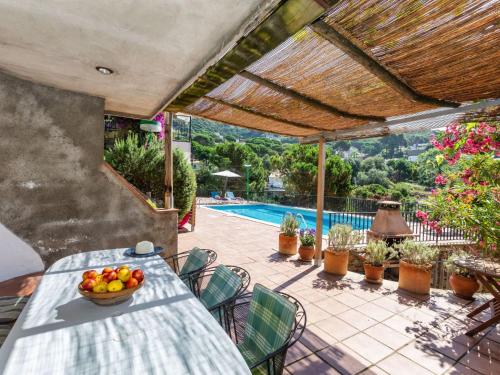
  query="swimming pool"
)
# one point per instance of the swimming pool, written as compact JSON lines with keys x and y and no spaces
{"x":273,"y":213}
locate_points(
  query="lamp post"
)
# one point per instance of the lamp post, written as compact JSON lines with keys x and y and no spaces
{"x":247,"y":168}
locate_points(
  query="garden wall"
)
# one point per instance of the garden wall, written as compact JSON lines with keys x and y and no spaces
{"x":55,"y":193}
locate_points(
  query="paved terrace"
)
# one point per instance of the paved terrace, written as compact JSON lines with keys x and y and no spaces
{"x":353,"y":327}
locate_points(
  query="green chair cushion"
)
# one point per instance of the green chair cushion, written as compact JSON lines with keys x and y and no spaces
{"x":196,"y":259}
{"x":269,"y":323}
{"x":11,"y":307}
{"x":222,"y":286}
{"x":4,"y":331}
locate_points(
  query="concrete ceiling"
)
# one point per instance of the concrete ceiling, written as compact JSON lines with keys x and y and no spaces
{"x":155,"y":47}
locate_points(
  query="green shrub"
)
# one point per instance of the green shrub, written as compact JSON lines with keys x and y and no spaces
{"x":289,"y":225}
{"x":144,"y":167}
{"x":377,"y":252}
{"x":417,"y":253}
{"x":184,"y":183}
{"x":341,"y":237}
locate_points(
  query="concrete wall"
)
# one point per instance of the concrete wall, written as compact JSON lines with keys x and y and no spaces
{"x":54,"y":193}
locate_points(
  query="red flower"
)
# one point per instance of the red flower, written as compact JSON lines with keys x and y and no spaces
{"x":440,"y":180}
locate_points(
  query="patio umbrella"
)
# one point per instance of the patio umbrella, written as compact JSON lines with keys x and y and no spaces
{"x":226,"y":174}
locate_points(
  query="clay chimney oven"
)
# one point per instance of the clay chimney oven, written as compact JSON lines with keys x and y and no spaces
{"x":388,"y":224}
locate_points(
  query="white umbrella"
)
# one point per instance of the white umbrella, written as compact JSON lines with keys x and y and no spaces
{"x":227,"y":174}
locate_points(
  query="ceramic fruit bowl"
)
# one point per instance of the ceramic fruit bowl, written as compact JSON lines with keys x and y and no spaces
{"x":109,"y":298}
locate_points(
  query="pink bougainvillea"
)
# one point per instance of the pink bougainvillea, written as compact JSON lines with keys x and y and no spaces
{"x":467,"y":194}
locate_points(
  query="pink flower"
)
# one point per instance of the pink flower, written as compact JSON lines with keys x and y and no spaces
{"x":421,"y":215}
{"x":440,"y":180}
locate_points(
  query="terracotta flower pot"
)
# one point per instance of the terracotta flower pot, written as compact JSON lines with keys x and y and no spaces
{"x":373,"y":274}
{"x":336,"y":262}
{"x":287,"y":245}
{"x":414,"y":278}
{"x":306,"y":253}
{"x":463,"y":287}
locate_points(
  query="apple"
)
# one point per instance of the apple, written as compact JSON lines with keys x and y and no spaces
{"x":123,"y":266}
{"x":138,"y":275}
{"x":108,"y":277}
{"x":107,"y":270}
{"x":101,"y":287}
{"x":88,"y":284}
{"x":91,"y":274}
{"x":115,"y":286}
{"x":131,"y":283}
{"x":124,"y":274}
{"x":117,"y":270}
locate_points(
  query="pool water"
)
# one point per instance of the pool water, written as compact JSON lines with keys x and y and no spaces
{"x":273,"y":213}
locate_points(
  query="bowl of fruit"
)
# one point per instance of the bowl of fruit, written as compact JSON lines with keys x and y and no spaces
{"x":111,"y":286}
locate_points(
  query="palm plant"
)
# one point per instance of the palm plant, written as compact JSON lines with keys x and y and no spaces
{"x":289,"y":225}
{"x":377,"y":252}
{"x":341,"y":237}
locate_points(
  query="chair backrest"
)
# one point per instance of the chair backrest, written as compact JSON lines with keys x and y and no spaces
{"x":270,"y":321}
{"x":230,"y":195}
{"x":214,"y":194}
{"x":223,"y":285}
{"x":195,"y":261}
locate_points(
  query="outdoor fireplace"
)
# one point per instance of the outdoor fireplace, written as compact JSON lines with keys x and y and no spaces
{"x":389,"y":225}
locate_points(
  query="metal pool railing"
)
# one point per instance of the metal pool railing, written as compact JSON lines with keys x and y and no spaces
{"x":421,"y":232}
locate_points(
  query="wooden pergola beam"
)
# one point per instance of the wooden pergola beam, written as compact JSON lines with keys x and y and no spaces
{"x":305,"y":99}
{"x":261,"y":114}
{"x":336,"y":36}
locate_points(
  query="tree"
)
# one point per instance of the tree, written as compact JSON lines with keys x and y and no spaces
{"x":393,"y":144}
{"x":184,"y":182}
{"x":401,"y":170}
{"x":298,"y":166}
{"x":204,"y":139}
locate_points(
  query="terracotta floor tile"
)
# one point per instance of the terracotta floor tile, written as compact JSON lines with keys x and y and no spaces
{"x":489,"y":347}
{"x":481,"y":363}
{"x":494,"y":334}
{"x":296,"y":352}
{"x":316,"y":339}
{"x":398,"y":364}
{"x":367,"y":347}
{"x":315,"y":314}
{"x":374,"y":370}
{"x":349,"y":299}
{"x":343,"y":359}
{"x":458,"y":369}
{"x":392,"y":305}
{"x":404,"y":326}
{"x":337,"y":328}
{"x":357,"y":319}
{"x":388,"y":336}
{"x":332,"y":306}
{"x":311,"y":365}
{"x":375,"y":311}
{"x":433,"y":361}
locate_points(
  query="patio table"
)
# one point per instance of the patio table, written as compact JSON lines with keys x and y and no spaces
{"x":163,"y":329}
{"x":488,"y":273}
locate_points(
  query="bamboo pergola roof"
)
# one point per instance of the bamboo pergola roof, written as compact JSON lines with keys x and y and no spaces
{"x":351,"y":69}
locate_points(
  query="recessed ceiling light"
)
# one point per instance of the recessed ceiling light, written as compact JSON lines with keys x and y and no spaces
{"x":103,"y":70}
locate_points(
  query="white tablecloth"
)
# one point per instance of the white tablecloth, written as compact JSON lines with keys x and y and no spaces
{"x":164,"y":329}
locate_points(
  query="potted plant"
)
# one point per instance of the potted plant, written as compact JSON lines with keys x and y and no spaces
{"x":415,"y":266}
{"x":376,"y":254}
{"x":463,"y":283}
{"x":288,"y":234}
{"x":306,"y":248}
{"x":341,"y":239}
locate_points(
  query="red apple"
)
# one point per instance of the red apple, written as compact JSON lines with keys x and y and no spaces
{"x":117,"y":270}
{"x":138,"y":275}
{"x":110,"y":276}
{"x":131,"y":283}
{"x":88,"y":284}
{"x":91,"y":274}
{"x":107,"y":270}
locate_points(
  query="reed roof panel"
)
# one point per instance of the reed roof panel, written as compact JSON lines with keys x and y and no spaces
{"x":313,"y":66}
{"x":443,"y":49}
{"x":226,"y":114}
{"x":246,"y":93}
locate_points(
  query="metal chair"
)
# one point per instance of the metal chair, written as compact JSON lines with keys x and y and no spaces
{"x":271,"y":362}
{"x":190,"y":263}
{"x":218,"y":287}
